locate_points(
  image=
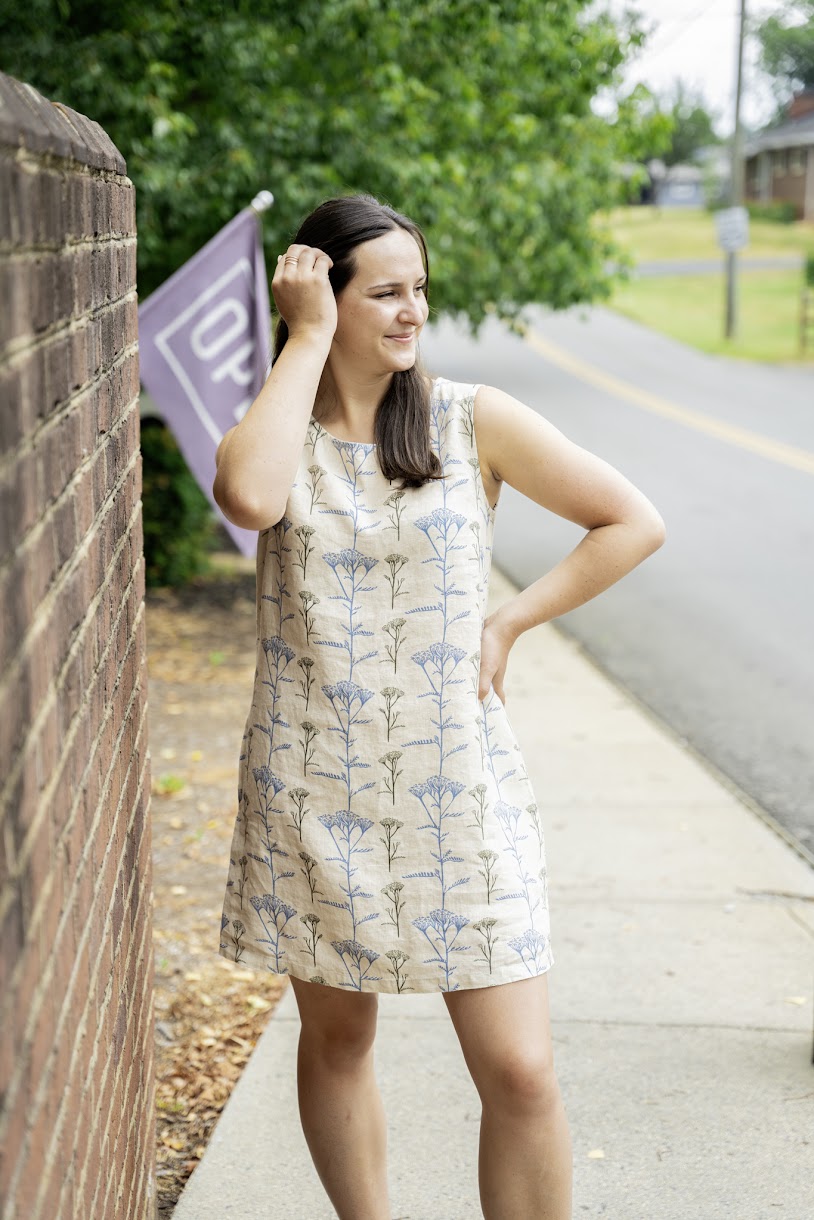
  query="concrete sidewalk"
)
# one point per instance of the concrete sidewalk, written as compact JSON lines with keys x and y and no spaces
{"x":681,"y":996}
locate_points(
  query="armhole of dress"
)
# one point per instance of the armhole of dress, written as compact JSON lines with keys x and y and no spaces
{"x":492,"y":511}
{"x":261,"y":558}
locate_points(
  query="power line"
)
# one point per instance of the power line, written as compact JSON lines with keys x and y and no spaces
{"x":688,"y":23}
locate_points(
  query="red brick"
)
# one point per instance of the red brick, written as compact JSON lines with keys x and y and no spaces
{"x":44,"y":276}
{"x":15,"y":316}
{"x":57,"y":353}
{"x":79,"y":206}
{"x":9,"y":213}
{"x":74,"y":409}
{"x":48,"y":219}
{"x":17,"y":613}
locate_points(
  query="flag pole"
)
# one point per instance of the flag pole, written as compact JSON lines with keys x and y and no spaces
{"x":262,"y":201}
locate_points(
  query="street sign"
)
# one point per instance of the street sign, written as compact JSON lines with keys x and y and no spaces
{"x":732,"y":225}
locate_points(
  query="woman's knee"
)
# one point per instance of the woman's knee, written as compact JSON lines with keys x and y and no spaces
{"x":336,"y":1025}
{"x":521,"y":1081}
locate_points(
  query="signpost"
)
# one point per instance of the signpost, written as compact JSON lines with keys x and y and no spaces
{"x":733,"y":228}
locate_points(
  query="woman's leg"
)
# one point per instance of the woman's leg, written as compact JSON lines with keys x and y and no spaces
{"x":341,"y":1109}
{"x":525,"y":1158}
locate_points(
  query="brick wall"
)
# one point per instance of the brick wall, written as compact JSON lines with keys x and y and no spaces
{"x":76,"y":959}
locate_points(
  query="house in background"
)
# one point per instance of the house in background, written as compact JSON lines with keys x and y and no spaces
{"x":676,"y":186}
{"x":689,"y":184}
{"x":779,"y":161}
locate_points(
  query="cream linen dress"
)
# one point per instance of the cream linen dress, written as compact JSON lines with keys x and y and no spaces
{"x":387,"y":836}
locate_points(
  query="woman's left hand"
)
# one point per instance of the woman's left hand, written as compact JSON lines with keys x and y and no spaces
{"x":495,"y":645}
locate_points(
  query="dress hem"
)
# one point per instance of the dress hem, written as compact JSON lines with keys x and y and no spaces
{"x":423,"y":986}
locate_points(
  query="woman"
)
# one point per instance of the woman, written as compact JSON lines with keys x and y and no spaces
{"x":387,"y":837}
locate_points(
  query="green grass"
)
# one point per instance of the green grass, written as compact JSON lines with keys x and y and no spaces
{"x":678,"y":233}
{"x":692,"y":308}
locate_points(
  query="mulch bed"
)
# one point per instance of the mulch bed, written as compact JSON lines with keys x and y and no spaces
{"x":209,"y":1012}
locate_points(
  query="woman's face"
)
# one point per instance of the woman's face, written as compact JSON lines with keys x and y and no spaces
{"x":384,"y":299}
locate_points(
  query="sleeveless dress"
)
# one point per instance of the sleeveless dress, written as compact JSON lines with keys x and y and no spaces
{"x":387,"y":836}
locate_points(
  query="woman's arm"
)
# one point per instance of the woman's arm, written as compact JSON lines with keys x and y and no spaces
{"x":223,"y":442}
{"x":526,"y":451}
{"x":258,"y":464}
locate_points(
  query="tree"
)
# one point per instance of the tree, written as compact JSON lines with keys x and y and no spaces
{"x":787,"y":51}
{"x":687,"y":125}
{"x":692,"y":124}
{"x":475,"y":119}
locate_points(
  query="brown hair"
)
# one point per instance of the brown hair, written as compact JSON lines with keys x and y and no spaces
{"x":402,"y":424}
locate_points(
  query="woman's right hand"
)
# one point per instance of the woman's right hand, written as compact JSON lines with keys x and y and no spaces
{"x":303,"y":293}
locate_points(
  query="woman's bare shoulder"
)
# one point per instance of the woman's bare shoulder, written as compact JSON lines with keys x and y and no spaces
{"x":527,"y":451}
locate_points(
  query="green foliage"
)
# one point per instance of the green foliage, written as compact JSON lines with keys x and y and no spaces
{"x":787,"y":47}
{"x":179,"y":524}
{"x":475,"y":119}
{"x":808,"y":269}
{"x":692,"y":125}
{"x":780,"y":212}
{"x":685,"y":125}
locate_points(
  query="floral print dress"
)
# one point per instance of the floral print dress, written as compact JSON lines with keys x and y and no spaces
{"x":387,"y":836}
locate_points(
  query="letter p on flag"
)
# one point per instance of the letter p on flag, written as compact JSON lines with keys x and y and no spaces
{"x":205,"y":346}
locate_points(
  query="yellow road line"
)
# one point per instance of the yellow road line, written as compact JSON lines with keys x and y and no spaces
{"x":764,"y":446}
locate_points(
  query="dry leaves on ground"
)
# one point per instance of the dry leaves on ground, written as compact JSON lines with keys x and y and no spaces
{"x":209,"y":1012}
{"x":207,"y":1028}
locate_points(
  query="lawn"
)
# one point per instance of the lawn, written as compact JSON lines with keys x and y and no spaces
{"x":681,"y":233}
{"x":692,"y":308}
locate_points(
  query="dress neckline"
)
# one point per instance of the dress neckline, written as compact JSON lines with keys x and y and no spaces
{"x":363,"y":444}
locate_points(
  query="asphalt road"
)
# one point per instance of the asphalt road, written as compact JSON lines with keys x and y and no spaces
{"x":714,"y":633}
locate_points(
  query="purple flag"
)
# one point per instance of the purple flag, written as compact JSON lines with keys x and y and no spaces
{"x":204,"y":347}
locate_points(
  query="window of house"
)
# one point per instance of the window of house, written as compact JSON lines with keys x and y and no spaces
{"x":779,"y":162}
{"x":797,"y":161}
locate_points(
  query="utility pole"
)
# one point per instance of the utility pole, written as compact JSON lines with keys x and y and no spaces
{"x":736,"y":185}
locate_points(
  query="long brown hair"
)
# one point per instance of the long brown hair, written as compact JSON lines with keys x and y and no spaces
{"x":402,"y":424}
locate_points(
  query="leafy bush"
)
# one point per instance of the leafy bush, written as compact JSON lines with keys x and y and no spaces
{"x":808,"y":269}
{"x":783,"y":213}
{"x":180,"y":527}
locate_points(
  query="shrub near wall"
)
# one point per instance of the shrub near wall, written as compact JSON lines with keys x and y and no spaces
{"x":76,"y":960}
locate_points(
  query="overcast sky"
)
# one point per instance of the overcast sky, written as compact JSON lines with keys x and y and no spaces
{"x":696,"y":41}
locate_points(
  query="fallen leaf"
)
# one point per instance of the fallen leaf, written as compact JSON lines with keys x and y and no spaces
{"x":257,"y":1002}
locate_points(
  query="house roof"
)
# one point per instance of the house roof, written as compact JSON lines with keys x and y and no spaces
{"x":794,"y":133}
